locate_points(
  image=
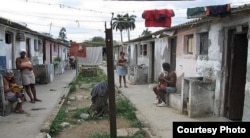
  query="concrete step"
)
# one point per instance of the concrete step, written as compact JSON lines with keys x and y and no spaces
{"x":175,"y":101}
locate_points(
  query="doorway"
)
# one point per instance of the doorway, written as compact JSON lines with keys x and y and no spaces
{"x":173,"y":53}
{"x":28,"y":47}
{"x":153,"y":62}
{"x":236,"y":79}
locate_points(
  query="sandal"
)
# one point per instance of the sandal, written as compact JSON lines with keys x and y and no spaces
{"x":20,"y":112}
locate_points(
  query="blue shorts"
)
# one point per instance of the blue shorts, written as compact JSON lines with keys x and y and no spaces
{"x":171,"y":89}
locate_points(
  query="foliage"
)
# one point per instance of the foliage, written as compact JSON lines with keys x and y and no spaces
{"x":55,"y":127}
{"x":62,"y":34}
{"x":99,"y":135}
{"x":79,"y":112}
{"x":140,"y":134}
{"x":127,"y":110}
{"x":56,"y":60}
{"x":146,"y":32}
{"x":123,"y":22}
{"x":95,"y":41}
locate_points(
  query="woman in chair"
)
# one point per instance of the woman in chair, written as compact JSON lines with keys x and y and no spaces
{"x":11,"y":93}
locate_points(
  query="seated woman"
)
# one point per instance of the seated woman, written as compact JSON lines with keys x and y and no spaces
{"x":11,"y":91}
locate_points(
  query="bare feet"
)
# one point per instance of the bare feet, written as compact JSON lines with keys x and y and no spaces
{"x":38,"y":100}
{"x":20,"y":112}
{"x":32,"y":101}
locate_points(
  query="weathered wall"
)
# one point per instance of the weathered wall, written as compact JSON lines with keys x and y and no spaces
{"x":162,"y":54}
{"x":210,"y":66}
{"x":185,"y":63}
{"x":246,"y":110}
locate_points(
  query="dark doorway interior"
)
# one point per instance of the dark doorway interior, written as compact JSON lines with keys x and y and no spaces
{"x":173,"y":53}
{"x":153,"y":62}
{"x":237,"y":61}
{"x":28,"y":47}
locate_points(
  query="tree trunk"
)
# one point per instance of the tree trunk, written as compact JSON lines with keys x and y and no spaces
{"x":121,"y":37}
{"x":128,"y":35}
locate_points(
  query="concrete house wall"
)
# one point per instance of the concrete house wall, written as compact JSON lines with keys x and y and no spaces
{"x":12,"y":51}
{"x":162,"y":54}
{"x":185,"y":63}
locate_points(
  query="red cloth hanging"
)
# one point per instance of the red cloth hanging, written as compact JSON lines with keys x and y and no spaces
{"x":158,"y":18}
{"x":78,"y":50}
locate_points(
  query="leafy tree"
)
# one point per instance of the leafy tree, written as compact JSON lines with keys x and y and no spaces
{"x":124,"y":22}
{"x":130,"y":23}
{"x":146,"y":32}
{"x":95,"y":41}
{"x":119,"y":24}
{"x":62,"y":34}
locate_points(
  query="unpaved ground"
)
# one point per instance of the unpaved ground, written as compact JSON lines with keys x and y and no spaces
{"x":83,"y":129}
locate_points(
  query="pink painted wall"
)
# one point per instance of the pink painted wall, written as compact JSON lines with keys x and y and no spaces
{"x":185,"y":63}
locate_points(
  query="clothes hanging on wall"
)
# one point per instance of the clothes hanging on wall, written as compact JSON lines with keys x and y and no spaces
{"x":158,"y":18}
{"x":218,"y":10}
{"x":195,"y":12}
{"x":77,"y":50}
{"x":3,"y":65}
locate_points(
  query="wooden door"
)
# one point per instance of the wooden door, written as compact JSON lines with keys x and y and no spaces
{"x":237,"y":77}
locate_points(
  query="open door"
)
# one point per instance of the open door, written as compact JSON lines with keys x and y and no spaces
{"x":237,"y":61}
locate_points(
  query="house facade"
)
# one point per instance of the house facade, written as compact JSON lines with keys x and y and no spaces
{"x":211,"y":60}
{"x":41,"y":49}
{"x":14,"y":37}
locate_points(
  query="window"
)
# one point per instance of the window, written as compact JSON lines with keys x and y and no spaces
{"x":8,"y":39}
{"x":204,"y":43}
{"x":143,"y":50}
{"x":189,"y":44}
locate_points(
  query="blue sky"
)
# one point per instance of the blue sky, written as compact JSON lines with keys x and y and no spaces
{"x":84,"y":19}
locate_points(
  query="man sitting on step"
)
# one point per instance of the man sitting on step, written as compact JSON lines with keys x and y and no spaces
{"x":161,"y":92}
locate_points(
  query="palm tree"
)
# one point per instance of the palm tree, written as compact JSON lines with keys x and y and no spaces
{"x":146,"y":32}
{"x":119,"y":24}
{"x":124,"y":22}
{"x":62,"y":34}
{"x":130,"y":23}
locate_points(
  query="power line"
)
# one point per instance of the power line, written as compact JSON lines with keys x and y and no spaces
{"x":96,"y":11}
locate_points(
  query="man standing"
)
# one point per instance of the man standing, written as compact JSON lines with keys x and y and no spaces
{"x":25,"y":66}
{"x":170,"y":78}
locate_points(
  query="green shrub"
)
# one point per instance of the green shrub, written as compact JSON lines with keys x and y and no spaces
{"x":55,"y":127}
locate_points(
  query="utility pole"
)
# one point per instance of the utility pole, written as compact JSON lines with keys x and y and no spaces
{"x":111,"y":84}
{"x":50,"y":27}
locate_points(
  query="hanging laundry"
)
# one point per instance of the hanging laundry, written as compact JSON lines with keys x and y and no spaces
{"x":218,"y":10}
{"x":78,"y":50}
{"x":3,"y":64}
{"x":195,"y":12}
{"x":158,"y":18}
